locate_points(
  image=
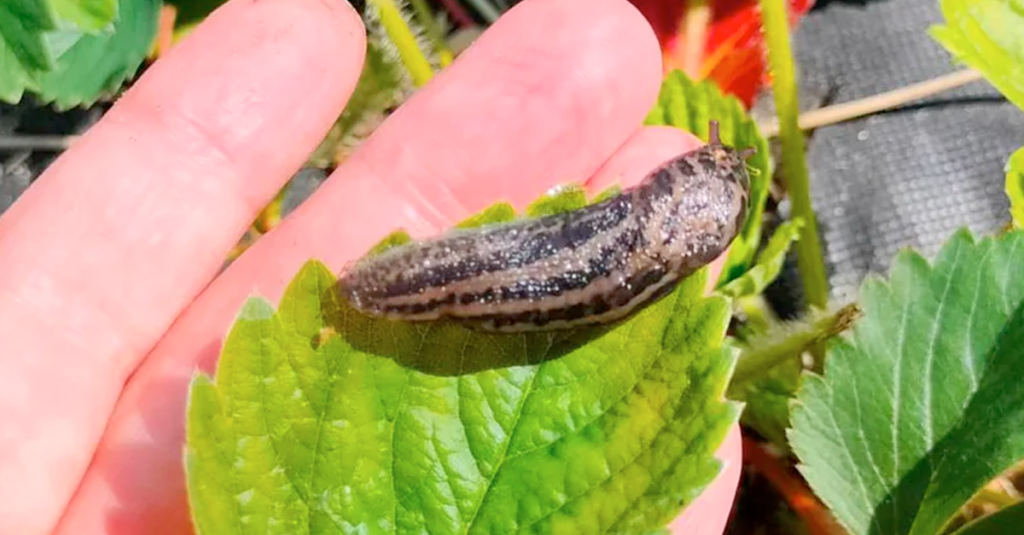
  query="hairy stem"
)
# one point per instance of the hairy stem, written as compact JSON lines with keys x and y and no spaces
{"x":433,"y":31}
{"x":810,"y":261}
{"x":401,"y":35}
{"x":764,"y":353}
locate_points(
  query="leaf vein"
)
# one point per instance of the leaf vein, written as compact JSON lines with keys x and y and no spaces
{"x":849,"y":457}
{"x":897,"y":399}
{"x":501,"y":459}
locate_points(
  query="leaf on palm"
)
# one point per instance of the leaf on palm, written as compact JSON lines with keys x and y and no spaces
{"x":323,"y":420}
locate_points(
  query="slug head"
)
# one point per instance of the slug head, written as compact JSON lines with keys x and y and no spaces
{"x":696,"y":204}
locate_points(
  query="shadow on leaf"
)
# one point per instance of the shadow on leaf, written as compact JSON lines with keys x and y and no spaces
{"x":446,"y":348}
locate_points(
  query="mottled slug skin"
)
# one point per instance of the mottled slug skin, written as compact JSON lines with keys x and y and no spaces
{"x":593,"y":265}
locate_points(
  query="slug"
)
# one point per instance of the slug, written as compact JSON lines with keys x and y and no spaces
{"x":598,"y":264}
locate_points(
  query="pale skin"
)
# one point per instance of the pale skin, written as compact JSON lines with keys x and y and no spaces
{"x":111,"y":295}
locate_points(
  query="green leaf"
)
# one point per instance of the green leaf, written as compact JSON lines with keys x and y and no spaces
{"x":986,"y":34}
{"x":23,"y":50}
{"x":769,"y":367}
{"x":324,"y":420}
{"x":87,"y":15}
{"x":498,"y":213}
{"x":769,"y":263}
{"x":1015,"y":187}
{"x":691,"y":106}
{"x":71,"y":52}
{"x":22,"y":25}
{"x":990,"y":435}
{"x":91,"y":66}
{"x":922,"y":405}
{"x":1002,"y":522}
{"x":561,"y":199}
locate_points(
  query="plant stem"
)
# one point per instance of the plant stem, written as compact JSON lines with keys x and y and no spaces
{"x":876,"y":103}
{"x":780,"y":58}
{"x":401,"y":35}
{"x":430,"y":26}
{"x":764,"y":354}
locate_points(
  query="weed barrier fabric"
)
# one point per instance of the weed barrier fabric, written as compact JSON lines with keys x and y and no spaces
{"x":903,"y":178}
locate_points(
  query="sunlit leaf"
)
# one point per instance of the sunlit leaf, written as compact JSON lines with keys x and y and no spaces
{"x":87,"y":15}
{"x":72,"y":52}
{"x":323,"y":420}
{"x":986,"y":34}
{"x":23,"y":50}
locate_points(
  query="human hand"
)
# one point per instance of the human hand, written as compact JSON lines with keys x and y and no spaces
{"x":110,"y":291}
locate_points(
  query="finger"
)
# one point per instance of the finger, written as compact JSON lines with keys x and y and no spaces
{"x":647,"y":148}
{"x":543,"y":98}
{"x":110,"y":244}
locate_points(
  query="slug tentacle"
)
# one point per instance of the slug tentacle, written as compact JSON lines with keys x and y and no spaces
{"x":593,"y":265}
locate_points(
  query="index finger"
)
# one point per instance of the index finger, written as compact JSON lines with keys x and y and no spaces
{"x":104,"y":251}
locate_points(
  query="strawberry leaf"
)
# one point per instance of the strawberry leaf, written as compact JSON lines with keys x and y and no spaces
{"x":985,"y":34}
{"x":23,"y":49}
{"x":91,"y":66}
{"x":72,"y":53}
{"x":324,"y":420}
{"x":769,"y":263}
{"x":88,"y":15}
{"x":922,"y":404}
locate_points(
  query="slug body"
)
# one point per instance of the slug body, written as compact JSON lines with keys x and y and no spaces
{"x":594,"y":265}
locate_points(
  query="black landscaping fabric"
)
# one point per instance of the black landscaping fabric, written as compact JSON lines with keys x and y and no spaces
{"x":903,"y":178}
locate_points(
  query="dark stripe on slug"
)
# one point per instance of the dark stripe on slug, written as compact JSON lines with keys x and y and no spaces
{"x":611,"y":259}
{"x":529,"y":243}
{"x":595,"y":305}
{"x":660,"y":185}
